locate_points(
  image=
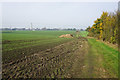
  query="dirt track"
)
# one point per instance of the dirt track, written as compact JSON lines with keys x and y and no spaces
{"x":68,"y":60}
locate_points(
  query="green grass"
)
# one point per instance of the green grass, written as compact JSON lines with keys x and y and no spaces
{"x":109,"y":57}
{"x":23,"y":35}
{"x":20,"y":39}
{"x":83,"y":33}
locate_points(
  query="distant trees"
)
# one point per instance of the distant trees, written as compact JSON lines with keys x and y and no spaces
{"x":105,"y":27}
{"x":37,"y":29}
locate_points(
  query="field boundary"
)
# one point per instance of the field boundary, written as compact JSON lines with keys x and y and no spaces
{"x":114,"y":46}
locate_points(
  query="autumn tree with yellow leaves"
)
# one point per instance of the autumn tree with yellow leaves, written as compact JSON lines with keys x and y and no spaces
{"x":105,"y":27}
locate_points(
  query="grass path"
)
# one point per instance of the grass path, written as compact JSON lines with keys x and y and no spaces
{"x":94,"y":60}
{"x":104,"y":59}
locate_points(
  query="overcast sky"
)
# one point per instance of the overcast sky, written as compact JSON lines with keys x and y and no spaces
{"x":54,"y":14}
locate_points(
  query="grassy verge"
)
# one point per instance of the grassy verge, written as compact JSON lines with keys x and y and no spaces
{"x":106,"y":58}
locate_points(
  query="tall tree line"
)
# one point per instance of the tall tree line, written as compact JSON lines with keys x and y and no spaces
{"x":106,"y":27}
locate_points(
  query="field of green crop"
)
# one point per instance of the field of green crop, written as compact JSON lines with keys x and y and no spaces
{"x":20,"y":43}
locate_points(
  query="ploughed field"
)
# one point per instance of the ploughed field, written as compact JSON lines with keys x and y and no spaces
{"x":17,"y":44}
{"x":40,"y":54}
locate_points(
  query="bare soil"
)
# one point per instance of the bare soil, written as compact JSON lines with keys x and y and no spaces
{"x":68,"y":60}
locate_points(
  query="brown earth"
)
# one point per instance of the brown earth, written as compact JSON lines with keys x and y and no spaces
{"x":55,"y":62}
{"x":69,"y":60}
{"x":66,"y":36}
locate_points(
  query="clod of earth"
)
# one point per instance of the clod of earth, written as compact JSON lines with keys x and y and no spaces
{"x":66,"y":36}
